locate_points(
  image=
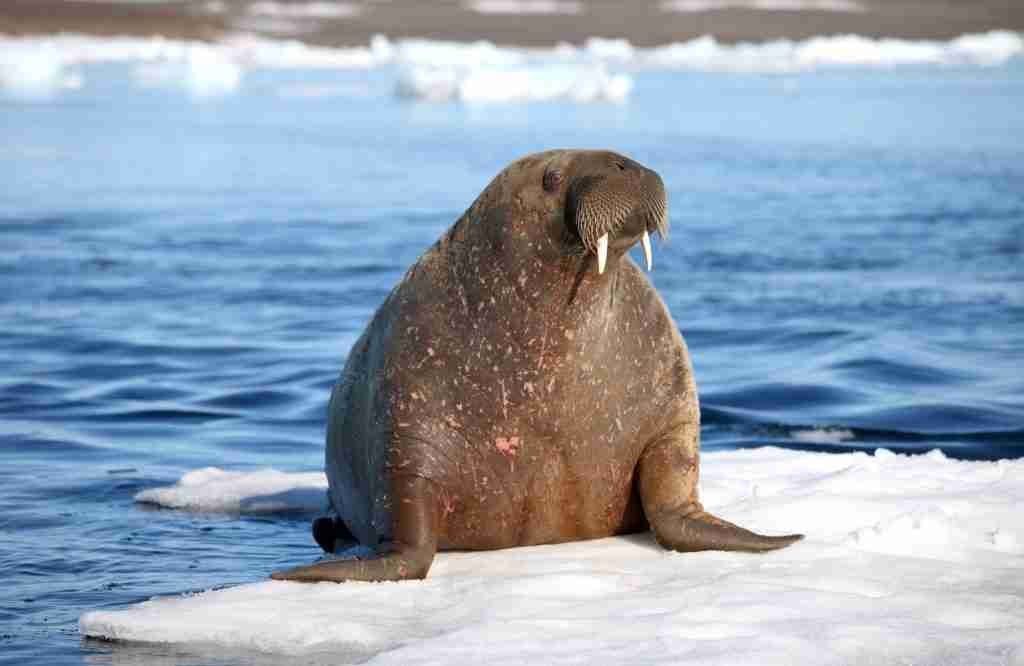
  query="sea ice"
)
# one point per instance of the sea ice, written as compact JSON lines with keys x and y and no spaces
{"x":908,"y":559}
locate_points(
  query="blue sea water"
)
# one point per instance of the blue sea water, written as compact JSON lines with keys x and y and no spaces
{"x":181,"y":279}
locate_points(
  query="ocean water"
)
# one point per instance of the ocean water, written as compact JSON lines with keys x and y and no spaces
{"x":181,"y":278}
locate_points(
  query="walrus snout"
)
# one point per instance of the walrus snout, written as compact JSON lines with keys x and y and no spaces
{"x":617,"y":204}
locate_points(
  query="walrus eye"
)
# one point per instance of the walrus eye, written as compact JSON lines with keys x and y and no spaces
{"x":552,"y":179}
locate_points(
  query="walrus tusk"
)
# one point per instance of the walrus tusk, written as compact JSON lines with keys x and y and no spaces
{"x":602,"y":253}
{"x":645,"y":240}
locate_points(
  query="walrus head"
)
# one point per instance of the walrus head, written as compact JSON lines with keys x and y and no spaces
{"x":609,"y":202}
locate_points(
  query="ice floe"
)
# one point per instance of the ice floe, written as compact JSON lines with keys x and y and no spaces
{"x":908,"y":559}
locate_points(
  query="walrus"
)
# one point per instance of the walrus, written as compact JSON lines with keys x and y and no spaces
{"x":523,"y":384}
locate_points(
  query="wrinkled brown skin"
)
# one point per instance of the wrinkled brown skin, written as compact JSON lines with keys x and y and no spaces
{"x":506,"y":394}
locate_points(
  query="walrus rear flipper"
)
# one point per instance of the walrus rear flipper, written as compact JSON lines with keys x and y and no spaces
{"x":413,"y":548}
{"x":395,"y":566}
{"x":703,"y":531}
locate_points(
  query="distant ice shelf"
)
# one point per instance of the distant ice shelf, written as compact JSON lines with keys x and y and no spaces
{"x":907,"y":559}
{"x":40,"y":67}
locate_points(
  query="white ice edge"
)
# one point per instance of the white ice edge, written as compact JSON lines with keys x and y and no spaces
{"x":262,"y":491}
{"x":41,"y":66}
{"x":907,"y":559}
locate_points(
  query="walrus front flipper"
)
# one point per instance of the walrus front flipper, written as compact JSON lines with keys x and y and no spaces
{"x":667,"y":480}
{"x":413,"y":548}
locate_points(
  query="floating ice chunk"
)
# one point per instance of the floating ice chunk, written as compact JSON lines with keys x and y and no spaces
{"x":263,"y":491}
{"x":525,"y":6}
{"x":29,"y":70}
{"x":480,"y":72}
{"x":930,"y":545}
{"x":827,"y":435}
{"x":515,"y":84}
{"x":203,"y":71}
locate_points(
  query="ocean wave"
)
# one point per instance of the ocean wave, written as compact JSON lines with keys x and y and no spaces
{"x":598,"y":71}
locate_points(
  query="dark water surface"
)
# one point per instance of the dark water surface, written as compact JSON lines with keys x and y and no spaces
{"x":180,"y":282}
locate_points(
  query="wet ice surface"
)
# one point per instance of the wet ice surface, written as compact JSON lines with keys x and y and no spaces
{"x":182,"y":275}
{"x":912,"y":558}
